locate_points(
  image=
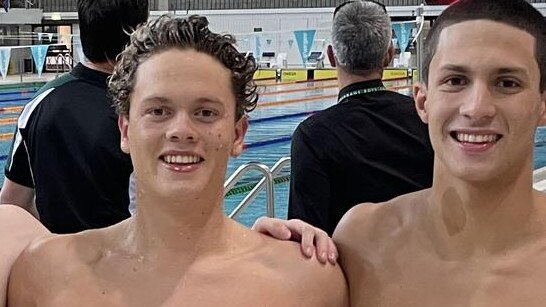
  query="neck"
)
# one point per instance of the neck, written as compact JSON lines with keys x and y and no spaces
{"x":345,"y":78}
{"x":470,"y":218}
{"x":105,"y":67}
{"x":167,"y":229}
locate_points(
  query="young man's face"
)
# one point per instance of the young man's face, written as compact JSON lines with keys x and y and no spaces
{"x":181,"y":128}
{"x":482,"y":101}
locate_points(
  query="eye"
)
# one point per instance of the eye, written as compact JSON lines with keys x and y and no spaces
{"x":207,"y":114}
{"x":456,"y":81}
{"x":157,"y":112}
{"x":508,"y":83}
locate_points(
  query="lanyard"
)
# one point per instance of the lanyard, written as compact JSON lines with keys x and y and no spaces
{"x":362,"y":91}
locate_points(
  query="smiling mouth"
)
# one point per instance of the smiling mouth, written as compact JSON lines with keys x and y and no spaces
{"x":475,"y":138}
{"x":182,"y":159}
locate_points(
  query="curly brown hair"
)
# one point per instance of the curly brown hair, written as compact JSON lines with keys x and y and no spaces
{"x":184,"y":33}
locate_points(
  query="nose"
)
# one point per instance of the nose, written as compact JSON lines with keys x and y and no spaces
{"x":182,"y":128}
{"x":479,"y":104}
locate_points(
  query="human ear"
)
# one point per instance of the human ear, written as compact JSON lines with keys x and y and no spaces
{"x":240,"y":130}
{"x":388,"y":56}
{"x":123,"y":125}
{"x":420,"y":97}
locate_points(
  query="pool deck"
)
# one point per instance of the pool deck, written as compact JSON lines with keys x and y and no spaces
{"x":27,"y":78}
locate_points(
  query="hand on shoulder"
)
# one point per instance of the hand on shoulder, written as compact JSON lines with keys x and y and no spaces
{"x":313,"y":241}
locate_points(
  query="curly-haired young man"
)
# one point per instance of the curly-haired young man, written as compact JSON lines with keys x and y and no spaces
{"x":181,"y":92}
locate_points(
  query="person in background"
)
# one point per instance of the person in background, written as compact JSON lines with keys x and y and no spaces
{"x":182,"y":94}
{"x":370,"y":146}
{"x":65,"y":165}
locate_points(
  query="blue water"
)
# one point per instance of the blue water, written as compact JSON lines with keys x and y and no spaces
{"x":268,"y":139}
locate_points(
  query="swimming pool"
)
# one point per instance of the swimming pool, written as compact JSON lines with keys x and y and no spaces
{"x":281,"y":108}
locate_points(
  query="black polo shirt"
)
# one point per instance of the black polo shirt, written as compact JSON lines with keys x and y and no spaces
{"x":67,"y":147}
{"x":370,"y":147}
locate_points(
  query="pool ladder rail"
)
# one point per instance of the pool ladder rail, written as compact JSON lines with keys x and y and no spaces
{"x":267,"y":181}
{"x":65,"y":61}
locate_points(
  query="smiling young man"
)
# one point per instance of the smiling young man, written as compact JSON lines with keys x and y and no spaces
{"x":478,"y":236}
{"x":182,"y":93}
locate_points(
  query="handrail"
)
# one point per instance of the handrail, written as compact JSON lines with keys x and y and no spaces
{"x":275,"y":170}
{"x":69,"y":61}
{"x":268,"y":177}
{"x":65,"y":62}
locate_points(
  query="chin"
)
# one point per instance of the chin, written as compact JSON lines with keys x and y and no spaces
{"x":480,"y":175}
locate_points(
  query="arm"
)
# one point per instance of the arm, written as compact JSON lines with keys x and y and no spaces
{"x":309,"y":198}
{"x":19,"y":195}
{"x":17,"y":229}
{"x":18,"y":188}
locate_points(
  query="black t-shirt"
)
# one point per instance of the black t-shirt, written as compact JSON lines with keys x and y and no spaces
{"x":370,"y":147}
{"x":67,"y":147}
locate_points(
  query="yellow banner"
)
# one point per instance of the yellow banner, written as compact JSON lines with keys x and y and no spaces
{"x":265,"y":74}
{"x":325,"y":74}
{"x":389,"y":74}
{"x":294,"y":75}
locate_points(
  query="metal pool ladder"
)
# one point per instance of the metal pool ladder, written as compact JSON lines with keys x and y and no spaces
{"x":267,"y":181}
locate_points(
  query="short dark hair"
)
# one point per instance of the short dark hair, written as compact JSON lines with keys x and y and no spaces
{"x":166,"y":33}
{"x":517,"y":13}
{"x":104,"y":25}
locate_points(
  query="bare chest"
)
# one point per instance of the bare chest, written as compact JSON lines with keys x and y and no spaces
{"x":420,"y":280}
{"x":230,"y":287}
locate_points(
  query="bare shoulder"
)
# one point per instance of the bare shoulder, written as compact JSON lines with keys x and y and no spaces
{"x":371,"y":223}
{"x":17,"y":229}
{"x":368,"y":236}
{"x":313,"y":283}
{"x":16,"y":221}
{"x":45,"y":266}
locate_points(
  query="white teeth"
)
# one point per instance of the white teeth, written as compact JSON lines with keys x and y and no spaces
{"x":476,"y":138}
{"x":181,"y":159}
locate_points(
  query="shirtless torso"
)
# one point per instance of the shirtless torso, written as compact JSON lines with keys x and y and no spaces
{"x":393,"y":255}
{"x":97,"y":268}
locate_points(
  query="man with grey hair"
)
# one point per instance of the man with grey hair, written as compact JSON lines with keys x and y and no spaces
{"x":370,"y":146}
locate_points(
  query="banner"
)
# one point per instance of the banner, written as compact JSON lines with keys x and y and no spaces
{"x":403,"y":33}
{"x":39,"y":53}
{"x":258,"y":46}
{"x":5,"y":53}
{"x":305,"y":39}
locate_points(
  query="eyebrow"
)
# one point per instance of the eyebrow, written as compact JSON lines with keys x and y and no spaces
{"x":499,"y":71}
{"x":156,"y":99}
{"x":511,"y":70}
{"x":165,"y":100}
{"x":454,"y":68}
